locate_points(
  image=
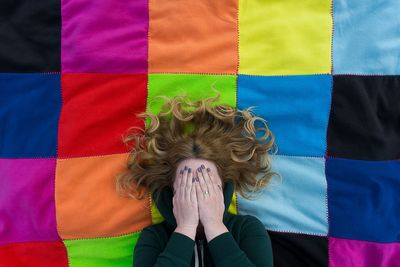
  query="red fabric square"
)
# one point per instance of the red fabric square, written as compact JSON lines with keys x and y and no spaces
{"x":97,"y":110}
{"x":43,"y":254}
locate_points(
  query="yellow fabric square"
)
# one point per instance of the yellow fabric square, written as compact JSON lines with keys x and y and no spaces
{"x":285,"y":37}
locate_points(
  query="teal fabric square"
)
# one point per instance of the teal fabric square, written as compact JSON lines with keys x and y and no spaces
{"x":296,"y":202}
{"x":366,"y":37}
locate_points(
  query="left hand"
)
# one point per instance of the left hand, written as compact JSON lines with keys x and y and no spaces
{"x":211,"y":205}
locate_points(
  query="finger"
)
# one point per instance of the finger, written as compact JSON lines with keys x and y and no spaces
{"x":193,"y":196}
{"x":178,"y":179}
{"x":203,"y":183}
{"x":188,"y":185}
{"x":199,"y":192}
{"x":210,"y":181}
{"x":182,"y":184}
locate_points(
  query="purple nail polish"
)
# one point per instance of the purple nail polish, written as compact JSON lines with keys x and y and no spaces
{"x":208,"y":169}
{"x":181,"y":172}
{"x":190,"y":170}
{"x":202,"y":166}
{"x":186,"y":167}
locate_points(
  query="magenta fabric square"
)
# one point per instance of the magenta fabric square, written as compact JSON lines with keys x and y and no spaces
{"x":104,"y":36}
{"x":349,"y":253}
{"x":27,"y":210}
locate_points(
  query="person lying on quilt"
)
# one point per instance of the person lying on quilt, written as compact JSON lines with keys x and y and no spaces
{"x":192,"y":162}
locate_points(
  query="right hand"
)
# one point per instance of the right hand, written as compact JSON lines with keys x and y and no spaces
{"x":185,"y":207}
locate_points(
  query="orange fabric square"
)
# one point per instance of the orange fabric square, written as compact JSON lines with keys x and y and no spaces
{"x":44,"y":254}
{"x":97,"y":110}
{"x":87,"y":204}
{"x":193,"y":36}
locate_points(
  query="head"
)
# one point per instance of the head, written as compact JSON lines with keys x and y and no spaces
{"x":195,"y":132}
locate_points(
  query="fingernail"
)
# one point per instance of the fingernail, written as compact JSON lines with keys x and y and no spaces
{"x":193,"y":180}
{"x":202,"y":166}
{"x":190,"y":170}
{"x":199,"y":169}
{"x":181,"y":172}
{"x":208,"y":169}
{"x":186,"y":167}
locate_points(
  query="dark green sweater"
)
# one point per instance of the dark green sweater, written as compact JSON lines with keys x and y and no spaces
{"x":246,"y":244}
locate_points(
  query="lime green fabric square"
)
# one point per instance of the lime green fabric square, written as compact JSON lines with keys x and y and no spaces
{"x":195,"y":86}
{"x":98,"y":252}
{"x":285,"y":37}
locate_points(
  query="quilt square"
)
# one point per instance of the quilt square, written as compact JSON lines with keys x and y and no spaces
{"x":87,"y":202}
{"x":30,"y":36}
{"x":349,"y":253}
{"x":366,"y":37}
{"x":106,"y":36}
{"x":30,"y":107}
{"x":102,"y":252}
{"x":97,"y":110}
{"x":299,"y":250}
{"x":296,"y":109}
{"x":43,"y":254}
{"x":296,"y":203}
{"x":285,"y":37}
{"x":27,"y":200}
{"x":195,"y":86}
{"x":364,"y":121}
{"x":364,"y":199}
{"x":193,"y":36}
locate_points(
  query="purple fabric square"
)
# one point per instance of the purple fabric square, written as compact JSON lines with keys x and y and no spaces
{"x":104,"y":36}
{"x":349,"y":253}
{"x":27,"y":210}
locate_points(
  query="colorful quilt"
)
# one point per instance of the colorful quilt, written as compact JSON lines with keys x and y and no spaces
{"x":324,"y":74}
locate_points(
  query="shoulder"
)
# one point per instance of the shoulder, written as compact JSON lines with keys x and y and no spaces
{"x":155,"y":233}
{"x":250,"y":224}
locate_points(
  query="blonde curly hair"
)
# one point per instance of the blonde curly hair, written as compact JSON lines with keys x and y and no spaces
{"x":211,"y":131}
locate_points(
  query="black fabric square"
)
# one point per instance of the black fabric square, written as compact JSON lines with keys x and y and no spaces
{"x":364,"y":122}
{"x":30,"y":36}
{"x":299,"y":250}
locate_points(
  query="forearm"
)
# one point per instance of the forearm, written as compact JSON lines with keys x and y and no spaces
{"x":213,"y":230}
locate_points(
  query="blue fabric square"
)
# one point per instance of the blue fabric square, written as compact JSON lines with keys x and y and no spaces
{"x":30,"y":107}
{"x":296,"y":109}
{"x":364,"y":199}
{"x":366,"y":37}
{"x":297,"y":202}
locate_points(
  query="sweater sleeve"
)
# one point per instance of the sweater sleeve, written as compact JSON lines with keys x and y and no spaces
{"x":255,"y":247}
{"x":178,"y":251}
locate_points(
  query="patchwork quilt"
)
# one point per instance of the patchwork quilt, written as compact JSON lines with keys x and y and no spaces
{"x":324,"y":74}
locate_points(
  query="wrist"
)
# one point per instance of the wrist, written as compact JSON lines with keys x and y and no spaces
{"x":188,"y":231}
{"x":213,"y":230}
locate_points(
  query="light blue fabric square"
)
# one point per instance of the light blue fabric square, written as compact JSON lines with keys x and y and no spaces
{"x":366,"y":37}
{"x":297,"y":202}
{"x":296,"y":109}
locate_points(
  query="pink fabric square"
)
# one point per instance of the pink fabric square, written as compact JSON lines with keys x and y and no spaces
{"x":346,"y":253}
{"x":27,"y":210}
{"x":104,"y":36}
